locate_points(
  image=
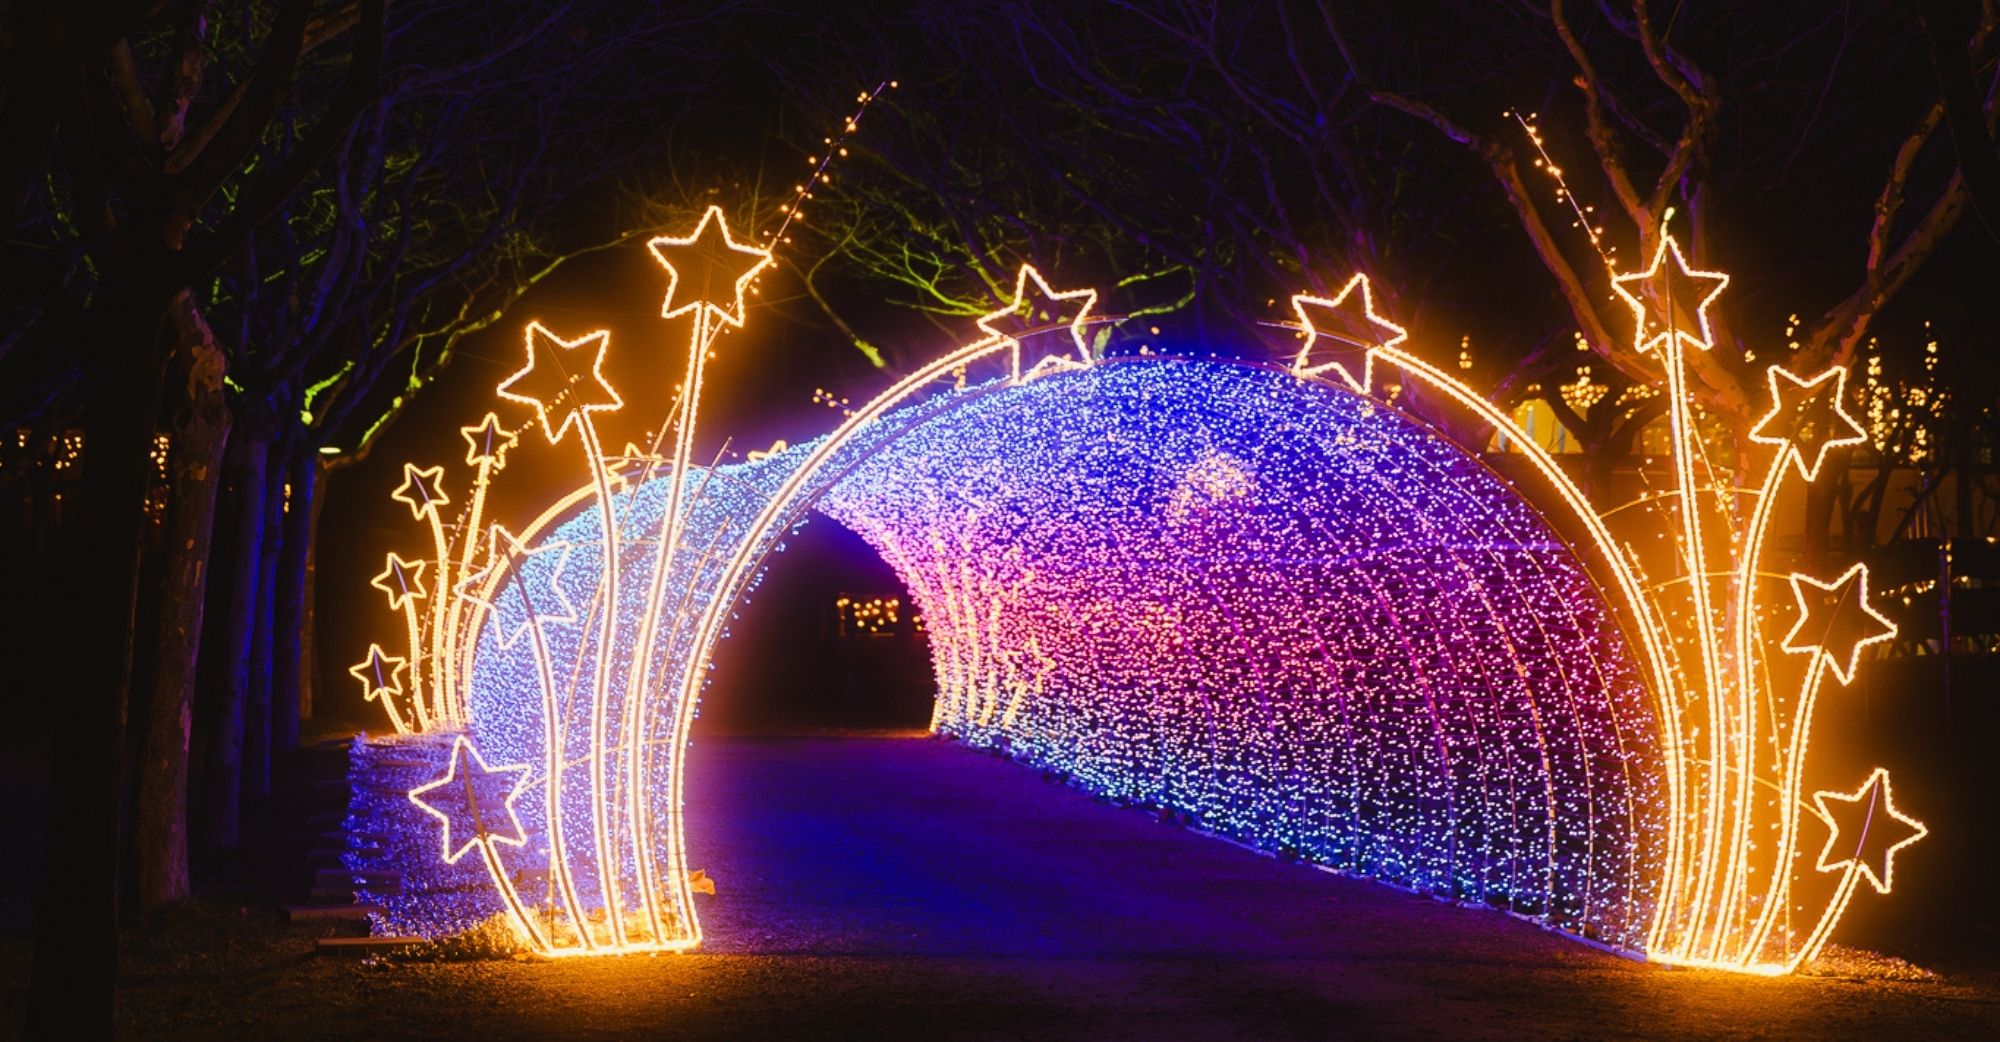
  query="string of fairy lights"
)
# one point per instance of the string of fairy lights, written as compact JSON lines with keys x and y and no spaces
{"x":1266,"y":598}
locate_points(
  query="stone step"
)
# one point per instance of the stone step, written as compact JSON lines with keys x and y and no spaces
{"x":356,"y":840}
{"x":357,"y":947}
{"x":331,"y":912}
{"x":330,"y":857}
{"x":372,"y":879}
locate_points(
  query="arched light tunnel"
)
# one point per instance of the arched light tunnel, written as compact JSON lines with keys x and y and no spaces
{"x":1303,"y":618}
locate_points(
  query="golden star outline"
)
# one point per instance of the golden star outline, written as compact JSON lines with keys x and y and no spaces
{"x":1808,"y":417}
{"x":561,"y":392}
{"x":694,"y":262}
{"x":1040,"y":312}
{"x":1661,"y":294}
{"x":402,"y":580}
{"x":1347,"y":319}
{"x":1836,"y":621}
{"x":1868,"y":830}
{"x":488,"y":442}
{"x":381,"y":674}
{"x":422,"y":490}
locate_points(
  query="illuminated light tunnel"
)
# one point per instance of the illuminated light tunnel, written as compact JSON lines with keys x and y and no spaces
{"x":1303,"y":618}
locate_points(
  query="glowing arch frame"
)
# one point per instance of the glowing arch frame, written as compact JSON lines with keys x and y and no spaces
{"x":1710,"y":887}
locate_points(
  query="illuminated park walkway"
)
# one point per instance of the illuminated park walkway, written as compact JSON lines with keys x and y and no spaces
{"x":891,"y":888}
{"x":921,"y":880}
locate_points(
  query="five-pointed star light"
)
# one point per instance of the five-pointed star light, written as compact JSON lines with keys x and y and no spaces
{"x":402,"y":580}
{"x":563,"y":380}
{"x":1670,"y":299}
{"x":1808,"y":418}
{"x":1836,"y":621}
{"x":488,"y":442}
{"x":381,"y":675}
{"x":1343,"y":332}
{"x":708,"y":269}
{"x":546,"y":600}
{"x":422,"y":490}
{"x":474,"y":801}
{"x":1868,"y":830}
{"x":1045,"y":309}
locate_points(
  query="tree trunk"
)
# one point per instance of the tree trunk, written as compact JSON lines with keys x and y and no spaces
{"x":292,"y":612}
{"x":249,"y":453}
{"x":257,"y":697}
{"x":200,"y":430}
{"x":72,"y":984}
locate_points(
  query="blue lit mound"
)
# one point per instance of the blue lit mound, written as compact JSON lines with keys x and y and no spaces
{"x":1306,"y":620}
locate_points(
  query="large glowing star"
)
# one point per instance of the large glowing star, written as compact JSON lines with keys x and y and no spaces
{"x":1343,"y":334}
{"x":422,"y":490}
{"x":1807,"y":418}
{"x":486,"y":442}
{"x":1670,"y":299}
{"x":1836,"y":621}
{"x":1868,"y":830}
{"x":402,"y":580}
{"x":475,"y":802}
{"x":708,"y":269}
{"x":1048,"y":308}
{"x":563,"y":380}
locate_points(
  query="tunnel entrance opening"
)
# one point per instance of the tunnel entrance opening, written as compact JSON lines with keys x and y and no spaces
{"x":830,"y":642}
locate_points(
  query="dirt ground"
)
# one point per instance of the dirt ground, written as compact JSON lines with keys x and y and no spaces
{"x":908,"y":888}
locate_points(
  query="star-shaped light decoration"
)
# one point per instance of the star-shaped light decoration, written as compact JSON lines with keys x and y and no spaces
{"x":563,"y":380}
{"x":381,"y":675}
{"x":1808,"y":418}
{"x":1342,"y":333}
{"x":1868,"y":830}
{"x":422,"y":490}
{"x":475,"y":802}
{"x":1836,"y":621}
{"x":402,"y":580}
{"x":1670,"y":299}
{"x":1043,"y":311}
{"x":487,"y":442}
{"x":548,"y":600}
{"x":708,"y":269}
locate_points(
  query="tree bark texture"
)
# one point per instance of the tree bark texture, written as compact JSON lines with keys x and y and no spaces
{"x":257,"y":697}
{"x":248,"y":456}
{"x":200,"y":430}
{"x":292,"y":613}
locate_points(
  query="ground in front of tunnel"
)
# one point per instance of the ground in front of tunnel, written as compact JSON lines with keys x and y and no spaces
{"x":905,"y":887}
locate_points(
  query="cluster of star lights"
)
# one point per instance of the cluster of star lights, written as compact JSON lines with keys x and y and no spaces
{"x":1262,"y":596}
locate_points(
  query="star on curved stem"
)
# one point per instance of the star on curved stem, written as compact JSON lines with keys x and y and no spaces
{"x":707,"y":269}
{"x":487,"y":442}
{"x":1340,"y":327}
{"x":422,"y":490}
{"x":381,"y":677}
{"x":1868,"y":830}
{"x":563,"y":380}
{"x":402,"y":580}
{"x":1808,"y":418}
{"x":1836,"y":621}
{"x":474,"y":801}
{"x":1042,"y":311}
{"x":1669,"y":299}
